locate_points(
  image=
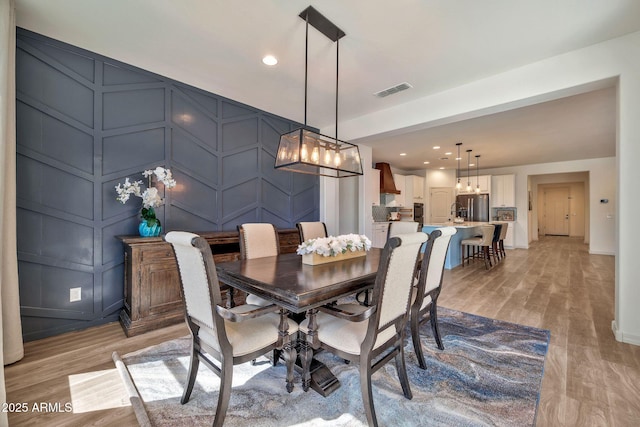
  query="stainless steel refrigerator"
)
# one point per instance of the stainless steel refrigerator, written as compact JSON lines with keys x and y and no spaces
{"x":473,"y":207}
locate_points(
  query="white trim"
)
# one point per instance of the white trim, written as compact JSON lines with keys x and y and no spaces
{"x":602,"y":253}
{"x":622,"y":337}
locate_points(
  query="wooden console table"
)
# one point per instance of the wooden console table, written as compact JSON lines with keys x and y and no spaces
{"x":151,"y":281}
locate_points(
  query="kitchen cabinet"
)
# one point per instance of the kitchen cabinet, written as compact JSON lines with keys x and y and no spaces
{"x":399,"y":181}
{"x":374,"y":187}
{"x":418,"y":189}
{"x":483,"y":180}
{"x":380,"y":231}
{"x":503,"y":192}
{"x":510,"y":238}
{"x":408,"y":190}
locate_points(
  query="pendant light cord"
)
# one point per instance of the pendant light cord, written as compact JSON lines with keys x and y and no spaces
{"x":306,"y":62}
{"x":337,"y":74}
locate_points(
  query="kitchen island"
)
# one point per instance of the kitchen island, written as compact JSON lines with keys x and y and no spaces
{"x":464,"y":230}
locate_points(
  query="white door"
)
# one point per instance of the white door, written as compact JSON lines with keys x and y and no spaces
{"x":556,"y":211}
{"x":440,"y":201}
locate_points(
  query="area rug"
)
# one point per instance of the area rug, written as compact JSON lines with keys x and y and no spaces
{"x":489,"y":374}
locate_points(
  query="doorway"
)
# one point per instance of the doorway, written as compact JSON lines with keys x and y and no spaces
{"x":556,"y":211}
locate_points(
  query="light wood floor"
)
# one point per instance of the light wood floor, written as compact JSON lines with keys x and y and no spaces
{"x":590,"y":379}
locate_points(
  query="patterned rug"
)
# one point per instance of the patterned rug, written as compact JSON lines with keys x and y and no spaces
{"x":489,"y":374}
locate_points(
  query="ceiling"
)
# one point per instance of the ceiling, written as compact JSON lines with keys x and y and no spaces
{"x":434,"y":45}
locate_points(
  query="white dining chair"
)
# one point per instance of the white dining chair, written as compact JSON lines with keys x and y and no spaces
{"x":228,"y":336}
{"x":425,"y":294}
{"x":373,"y":335}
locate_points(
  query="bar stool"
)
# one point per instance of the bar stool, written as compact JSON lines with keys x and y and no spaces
{"x":496,"y":239}
{"x":483,"y":243}
{"x":503,"y":235}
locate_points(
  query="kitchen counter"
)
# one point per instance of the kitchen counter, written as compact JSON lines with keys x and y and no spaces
{"x":466,"y":224}
{"x":464,"y":230}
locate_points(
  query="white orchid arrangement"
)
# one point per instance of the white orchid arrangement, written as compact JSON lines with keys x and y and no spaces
{"x":150,"y":197}
{"x":334,"y":245}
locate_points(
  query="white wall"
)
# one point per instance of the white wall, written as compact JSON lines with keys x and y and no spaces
{"x":602,"y":184}
{"x":616,"y":60}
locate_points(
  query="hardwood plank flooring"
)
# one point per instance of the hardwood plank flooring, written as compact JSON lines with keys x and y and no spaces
{"x":590,"y":378}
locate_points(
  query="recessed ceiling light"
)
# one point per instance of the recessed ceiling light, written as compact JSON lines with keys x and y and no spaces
{"x":436,"y":147}
{"x":403,"y":154}
{"x":448,"y":153}
{"x":441,"y":167}
{"x":426,"y":163}
{"x":458,"y":158}
{"x":269,"y":60}
{"x":472,"y":164}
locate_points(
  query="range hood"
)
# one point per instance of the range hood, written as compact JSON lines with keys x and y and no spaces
{"x":387,"y":186}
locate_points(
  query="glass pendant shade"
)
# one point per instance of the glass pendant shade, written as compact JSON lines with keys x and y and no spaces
{"x":305,"y":151}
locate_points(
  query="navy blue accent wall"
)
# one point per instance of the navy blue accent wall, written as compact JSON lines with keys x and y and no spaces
{"x":84,"y":123}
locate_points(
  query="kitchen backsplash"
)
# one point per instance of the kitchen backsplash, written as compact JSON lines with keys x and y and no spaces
{"x":381,"y":213}
{"x":504,"y":214}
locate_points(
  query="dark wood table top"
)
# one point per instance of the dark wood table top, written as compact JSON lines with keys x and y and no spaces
{"x":297,"y":287}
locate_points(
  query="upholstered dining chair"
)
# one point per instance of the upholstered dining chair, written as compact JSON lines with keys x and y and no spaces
{"x":229,"y":336}
{"x":311,"y":230}
{"x":425,"y":294}
{"x":481,"y":243}
{"x":373,"y":335}
{"x":402,"y":227}
{"x":258,"y":240}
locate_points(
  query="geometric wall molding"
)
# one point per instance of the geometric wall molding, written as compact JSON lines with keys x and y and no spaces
{"x":84,"y":123}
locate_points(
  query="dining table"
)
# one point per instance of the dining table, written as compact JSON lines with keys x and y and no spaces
{"x":299,"y":289}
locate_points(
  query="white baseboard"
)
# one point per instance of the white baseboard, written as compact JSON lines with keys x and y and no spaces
{"x":601,"y":253}
{"x":626,"y":338}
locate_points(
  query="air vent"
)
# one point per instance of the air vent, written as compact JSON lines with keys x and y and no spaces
{"x":392,"y":90}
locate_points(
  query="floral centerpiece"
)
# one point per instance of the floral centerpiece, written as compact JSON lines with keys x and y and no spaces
{"x":333,"y":248}
{"x":150,"y":225}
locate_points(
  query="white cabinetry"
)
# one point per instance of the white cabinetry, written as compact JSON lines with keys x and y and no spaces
{"x":408,"y":190}
{"x":483,"y":180}
{"x":374,"y":187}
{"x":503,"y":191}
{"x":418,"y":189}
{"x":509,"y":239}
{"x":380,"y":231}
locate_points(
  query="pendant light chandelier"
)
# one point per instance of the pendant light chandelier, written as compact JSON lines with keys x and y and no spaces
{"x":458,"y":184}
{"x":306,"y":151}
{"x":477,"y":174}
{"x":468,"y":174}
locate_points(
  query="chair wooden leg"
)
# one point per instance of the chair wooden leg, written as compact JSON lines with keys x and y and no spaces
{"x":365,"y":389}
{"x":433,"y":313}
{"x":401,"y":367}
{"x":487,"y":257}
{"x":226,"y":376}
{"x":194,"y":363}
{"x":504,"y":253}
{"x":415,"y":337}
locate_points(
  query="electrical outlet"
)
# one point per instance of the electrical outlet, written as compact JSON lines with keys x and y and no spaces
{"x":75,"y":294}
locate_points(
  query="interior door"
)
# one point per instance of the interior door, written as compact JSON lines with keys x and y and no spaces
{"x":556,"y":211}
{"x":440,"y":201}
